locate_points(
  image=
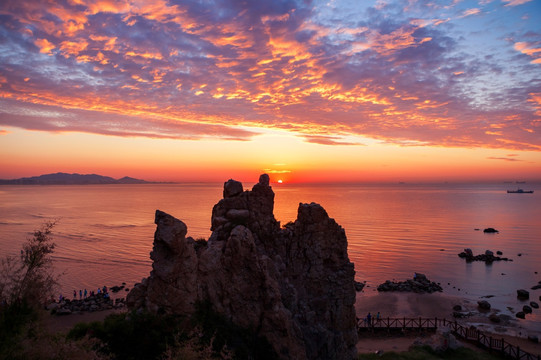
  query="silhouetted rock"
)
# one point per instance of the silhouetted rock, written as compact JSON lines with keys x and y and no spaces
{"x":483,"y":305}
{"x":419,"y":284}
{"x":523,"y":294}
{"x":534,"y":305}
{"x":490,"y":230}
{"x":520,"y":315}
{"x":359,"y":286}
{"x":293,"y":285}
{"x":538,"y":286}
{"x":527,"y":309}
{"x":488,"y":257}
{"x":494,"y":318}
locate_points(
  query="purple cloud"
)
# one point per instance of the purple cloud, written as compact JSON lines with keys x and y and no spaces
{"x":423,"y":73}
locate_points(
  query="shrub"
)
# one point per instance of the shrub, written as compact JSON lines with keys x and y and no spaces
{"x":28,"y":279}
{"x":26,"y":282}
{"x":141,"y":335}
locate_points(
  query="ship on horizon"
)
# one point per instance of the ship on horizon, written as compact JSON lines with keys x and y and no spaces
{"x":520,"y":191}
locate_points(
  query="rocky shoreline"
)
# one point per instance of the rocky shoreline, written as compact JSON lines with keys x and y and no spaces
{"x":93,"y":303}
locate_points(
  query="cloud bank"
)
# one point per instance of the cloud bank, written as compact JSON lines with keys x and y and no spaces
{"x":440,"y":73}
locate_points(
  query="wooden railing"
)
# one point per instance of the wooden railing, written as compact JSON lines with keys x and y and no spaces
{"x":466,"y":333}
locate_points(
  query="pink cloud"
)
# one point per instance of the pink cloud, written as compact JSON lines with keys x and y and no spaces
{"x":190,"y":71}
{"x":44,"y":45}
{"x":515,"y":2}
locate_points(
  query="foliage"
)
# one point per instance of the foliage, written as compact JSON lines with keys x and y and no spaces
{"x":206,"y":335}
{"x":17,"y":321}
{"x":131,"y":336}
{"x":222,"y":333}
{"x":26,"y":282}
{"x":42,"y":345}
{"x":28,"y":279}
{"x":426,"y":353}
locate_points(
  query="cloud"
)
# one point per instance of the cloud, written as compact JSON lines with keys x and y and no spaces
{"x":328,"y":140}
{"x":274,"y":171}
{"x":47,"y":118}
{"x":325,"y":73}
{"x":3,"y":132}
{"x":531,"y":49}
{"x":515,"y":2}
{"x":469,"y":12}
{"x":44,"y":45}
{"x":503,"y":158}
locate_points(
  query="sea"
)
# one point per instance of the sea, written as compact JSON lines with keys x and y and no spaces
{"x":104,"y":233}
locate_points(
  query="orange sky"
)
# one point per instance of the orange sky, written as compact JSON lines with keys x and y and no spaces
{"x":394,"y":91}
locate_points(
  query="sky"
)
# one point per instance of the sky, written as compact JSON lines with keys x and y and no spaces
{"x":306,"y":91}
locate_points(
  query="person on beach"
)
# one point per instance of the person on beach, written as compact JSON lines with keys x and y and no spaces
{"x":86,"y":293}
{"x":99,"y":291}
{"x":369,"y":319}
{"x":74,"y":295}
{"x":80,"y":294}
{"x":378,"y":317}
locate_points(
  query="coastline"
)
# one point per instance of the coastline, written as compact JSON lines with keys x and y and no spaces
{"x":413,"y":305}
{"x":389,"y":304}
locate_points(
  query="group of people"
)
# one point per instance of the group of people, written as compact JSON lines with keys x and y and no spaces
{"x":370,"y":320}
{"x":83,"y":294}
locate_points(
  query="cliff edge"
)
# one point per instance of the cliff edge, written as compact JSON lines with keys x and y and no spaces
{"x":292,"y":285}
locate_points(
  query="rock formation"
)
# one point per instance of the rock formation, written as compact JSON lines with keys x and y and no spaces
{"x":488,"y":257}
{"x":419,"y":284}
{"x":292,"y":285}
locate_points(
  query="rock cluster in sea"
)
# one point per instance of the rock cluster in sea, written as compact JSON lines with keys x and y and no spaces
{"x":488,"y":257}
{"x":525,"y":295}
{"x":292,"y":285}
{"x":92,"y":303}
{"x":419,"y":284}
{"x":536,"y":286}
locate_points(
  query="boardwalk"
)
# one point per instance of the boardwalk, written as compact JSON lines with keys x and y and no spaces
{"x":469,"y":334}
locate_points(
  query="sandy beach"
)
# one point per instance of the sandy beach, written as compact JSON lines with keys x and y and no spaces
{"x":399,"y":304}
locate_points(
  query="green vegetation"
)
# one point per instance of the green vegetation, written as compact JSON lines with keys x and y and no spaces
{"x":206,"y":335}
{"x":28,"y":279}
{"x":427,"y":353}
{"x":26,"y":282}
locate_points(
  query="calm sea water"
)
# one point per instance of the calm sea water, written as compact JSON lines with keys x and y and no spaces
{"x":104,"y":234}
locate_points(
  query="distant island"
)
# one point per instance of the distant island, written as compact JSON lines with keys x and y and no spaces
{"x":72,"y":179}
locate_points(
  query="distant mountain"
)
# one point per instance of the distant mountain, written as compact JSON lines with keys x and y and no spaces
{"x":71,"y":179}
